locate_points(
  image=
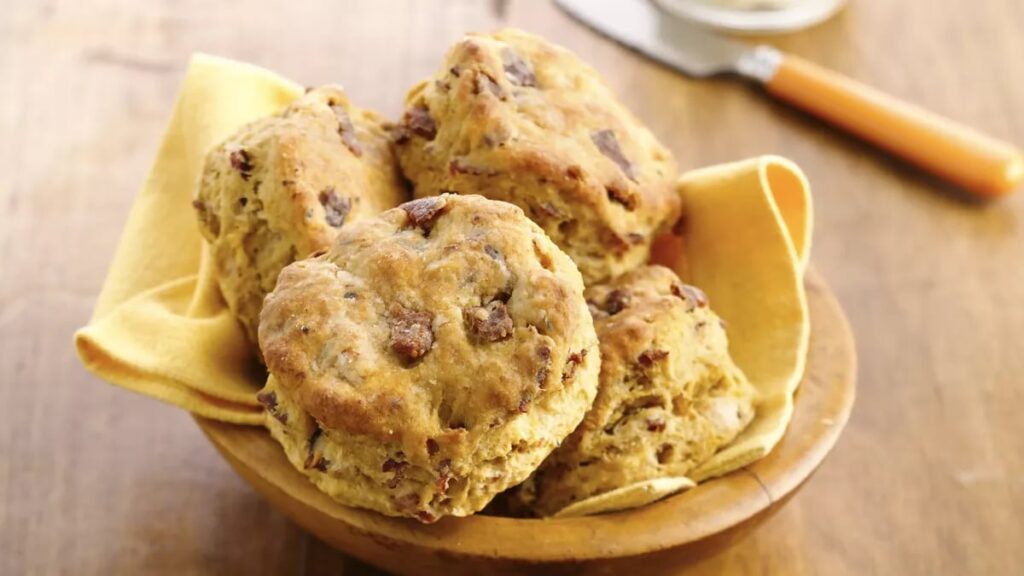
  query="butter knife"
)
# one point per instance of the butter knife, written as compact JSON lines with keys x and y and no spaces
{"x":977,"y":163}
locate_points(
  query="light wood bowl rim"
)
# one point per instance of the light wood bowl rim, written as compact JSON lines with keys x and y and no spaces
{"x":823,"y":405}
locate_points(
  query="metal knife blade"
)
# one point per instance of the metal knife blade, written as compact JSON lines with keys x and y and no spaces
{"x":679,"y":44}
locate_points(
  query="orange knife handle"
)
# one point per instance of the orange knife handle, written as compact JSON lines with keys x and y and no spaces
{"x":977,"y":163}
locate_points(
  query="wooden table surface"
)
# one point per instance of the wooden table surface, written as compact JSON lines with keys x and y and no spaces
{"x":928,"y":478}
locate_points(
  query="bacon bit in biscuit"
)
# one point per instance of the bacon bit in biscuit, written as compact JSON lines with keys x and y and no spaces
{"x":665,"y":453}
{"x":488,"y":324}
{"x":635,"y":238}
{"x":695,"y":296}
{"x":648,"y":357}
{"x":655,"y":425}
{"x":269,"y":401}
{"x":336,"y":207}
{"x":623,"y":197}
{"x":399,"y":472}
{"x":517,"y":70}
{"x":425,"y":517}
{"x":416,"y":121}
{"x":347,"y":131}
{"x":544,"y":353}
{"x":241,"y":161}
{"x":617,"y":301}
{"x":575,"y":359}
{"x":411,"y":333}
{"x":608,"y":144}
{"x":424,"y":212}
{"x":432,"y":447}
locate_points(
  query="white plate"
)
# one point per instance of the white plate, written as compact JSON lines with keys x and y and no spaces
{"x":775,"y":16}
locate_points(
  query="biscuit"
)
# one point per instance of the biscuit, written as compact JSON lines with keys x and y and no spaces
{"x":282,"y":186}
{"x":669,"y":394}
{"x":517,"y":119}
{"x":432,"y":358}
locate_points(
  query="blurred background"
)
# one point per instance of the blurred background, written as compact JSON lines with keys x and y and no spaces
{"x":928,"y":477}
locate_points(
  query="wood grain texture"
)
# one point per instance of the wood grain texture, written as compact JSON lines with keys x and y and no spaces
{"x":927,"y":479}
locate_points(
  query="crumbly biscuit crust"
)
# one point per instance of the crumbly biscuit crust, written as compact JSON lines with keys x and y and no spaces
{"x":515,"y":118}
{"x":282,"y":186}
{"x":669,"y":394}
{"x":432,"y":358}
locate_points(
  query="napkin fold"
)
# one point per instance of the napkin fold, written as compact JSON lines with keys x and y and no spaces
{"x":160,"y":326}
{"x":746,"y":242}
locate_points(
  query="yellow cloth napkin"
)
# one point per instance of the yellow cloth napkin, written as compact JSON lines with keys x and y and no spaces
{"x":160,"y":326}
{"x":746,"y":242}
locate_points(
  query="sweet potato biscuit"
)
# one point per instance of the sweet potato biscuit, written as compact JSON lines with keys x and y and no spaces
{"x":281,"y":188}
{"x":431,"y":359}
{"x":669,"y":396}
{"x":514,"y":118}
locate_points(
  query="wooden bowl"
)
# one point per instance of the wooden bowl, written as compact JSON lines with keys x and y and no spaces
{"x":677,"y":530}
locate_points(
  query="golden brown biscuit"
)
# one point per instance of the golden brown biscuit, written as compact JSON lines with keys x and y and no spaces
{"x":281,"y":188}
{"x":431,"y":359}
{"x":515,"y":118}
{"x":669,"y":393}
